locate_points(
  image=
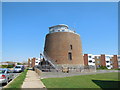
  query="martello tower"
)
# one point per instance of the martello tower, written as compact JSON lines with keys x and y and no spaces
{"x":63,"y":46}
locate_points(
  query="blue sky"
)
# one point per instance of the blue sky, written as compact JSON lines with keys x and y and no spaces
{"x":25,"y":26}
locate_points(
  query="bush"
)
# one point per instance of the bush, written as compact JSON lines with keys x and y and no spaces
{"x":117,"y":69}
{"x":10,"y":66}
{"x":7,"y":66}
{"x":19,"y":63}
{"x":4,"y":66}
{"x":102,"y":67}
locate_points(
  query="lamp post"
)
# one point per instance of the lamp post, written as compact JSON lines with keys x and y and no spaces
{"x":40,"y":55}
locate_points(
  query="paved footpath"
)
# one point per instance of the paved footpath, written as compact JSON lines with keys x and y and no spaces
{"x":32,"y":80}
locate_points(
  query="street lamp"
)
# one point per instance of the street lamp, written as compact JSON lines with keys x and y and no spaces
{"x":40,"y":55}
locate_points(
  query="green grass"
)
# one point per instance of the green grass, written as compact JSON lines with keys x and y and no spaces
{"x":107,"y":69}
{"x":106,"y":80}
{"x":17,"y":83}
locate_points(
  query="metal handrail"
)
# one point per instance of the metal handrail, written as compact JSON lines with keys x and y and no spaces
{"x":47,"y":58}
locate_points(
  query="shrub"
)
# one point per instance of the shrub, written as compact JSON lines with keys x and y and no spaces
{"x":4,"y":66}
{"x":19,"y":63}
{"x":117,"y":69}
{"x":102,"y":67}
{"x":10,"y":66}
{"x":7,"y":66}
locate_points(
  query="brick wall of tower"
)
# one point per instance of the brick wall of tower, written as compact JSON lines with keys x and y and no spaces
{"x":58,"y":47}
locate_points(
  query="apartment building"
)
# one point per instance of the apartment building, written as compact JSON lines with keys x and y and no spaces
{"x":33,"y":61}
{"x":118,"y":61}
{"x":109,"y":61}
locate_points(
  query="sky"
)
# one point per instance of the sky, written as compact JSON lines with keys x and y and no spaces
{"x":25,"y":25}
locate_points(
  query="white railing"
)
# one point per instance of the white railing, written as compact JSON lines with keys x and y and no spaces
{"x":50,"y":60}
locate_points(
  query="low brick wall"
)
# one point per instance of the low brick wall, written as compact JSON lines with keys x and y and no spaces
{"x":38,"y":71}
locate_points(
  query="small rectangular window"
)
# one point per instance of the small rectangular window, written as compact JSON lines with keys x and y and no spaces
{"x":71,"y":47}
{"x":70,"y":56}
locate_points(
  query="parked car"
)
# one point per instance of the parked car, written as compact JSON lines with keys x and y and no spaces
{"x":5,"y":75}
{"x":19,"y":68}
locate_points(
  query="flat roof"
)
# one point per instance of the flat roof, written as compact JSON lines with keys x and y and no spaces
{"x":59,"y":25}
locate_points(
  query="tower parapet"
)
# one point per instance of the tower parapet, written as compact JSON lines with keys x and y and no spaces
{"x":60,"y":28}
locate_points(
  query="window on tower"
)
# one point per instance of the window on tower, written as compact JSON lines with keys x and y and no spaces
{"x":71,"y":47}
{"x":70,"y":56}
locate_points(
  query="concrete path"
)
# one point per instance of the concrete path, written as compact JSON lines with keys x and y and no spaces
{"x":32,"y":80}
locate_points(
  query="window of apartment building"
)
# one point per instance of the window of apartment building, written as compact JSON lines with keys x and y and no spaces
{"x":90,"y":57}
{"x":71,"y":47}
{"x":107,"y":57}
{"x":97,"y":57}
{"x":98,"y":61}
{"x":111,"y":61}
{"x":70,"y":56}
{"x":107,"y":61}
{"x":90,"y":61}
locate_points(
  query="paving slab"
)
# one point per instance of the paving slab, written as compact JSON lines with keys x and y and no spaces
{"x":32,"y":80}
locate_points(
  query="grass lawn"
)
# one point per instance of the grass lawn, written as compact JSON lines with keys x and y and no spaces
{"x":17,"y":82}
{"x":106,"y":80}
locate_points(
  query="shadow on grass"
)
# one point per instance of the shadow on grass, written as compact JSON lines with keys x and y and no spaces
{"x":107,"y":83}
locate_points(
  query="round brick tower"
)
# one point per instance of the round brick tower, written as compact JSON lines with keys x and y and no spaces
{"x":63,"y":46}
